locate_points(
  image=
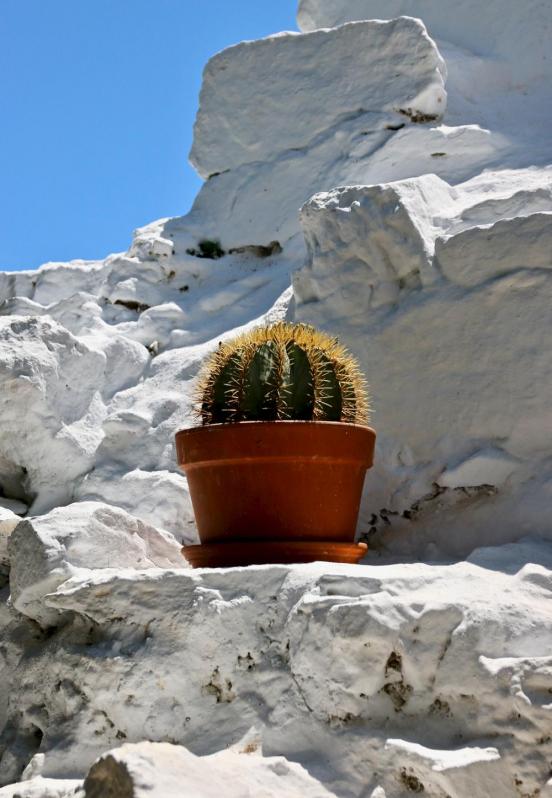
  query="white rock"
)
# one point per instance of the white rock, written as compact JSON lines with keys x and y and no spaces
{"x":156,"y":324}
{"x":8,"y":522}
{"x":493,"y":120}
{"x":484,"y":253}
{"x":54,"y":281}
{"x":365,"y":150}
{"x":44,"y":788}
{"x":412,"y":230}
{"x":126,"y":361}
{"x":32,"y":785}
{"x":459,"y":772}
{"x":170,"y":771}
{"x":517,"y":37}
{"x":441,"y":760}
{"x":34,"y":768}
{"x":47,"y":550}
{"x":527,"y":680}
{"x":148,"y":247}
{"x":305,"y":655}
{"x":81,"y":314}
{"x":13,"y":505}
{"x":487,"y":467}
{"x":428,"y":350}
{"x":498,"y":78}
{"x":366,"y":243}
{"x":245,"y":115}
{"x":51,"y":409}
{"x":160,"y":498}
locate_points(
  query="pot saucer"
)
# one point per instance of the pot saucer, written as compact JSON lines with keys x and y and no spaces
{"x":255,"y":552}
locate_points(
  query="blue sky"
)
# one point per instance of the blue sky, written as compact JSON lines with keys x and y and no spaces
{"x":98,"y":99}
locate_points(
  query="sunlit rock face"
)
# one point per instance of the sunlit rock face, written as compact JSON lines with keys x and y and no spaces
{"x":363,"y":68}
{"x":47,"y":550}
{"x":166,"y":770}
{"x":368,"y":676}
{"x":446,"y":294}
{"x":515,"y":35}
{"x":51,"y":409}
{"x":388,"y":179}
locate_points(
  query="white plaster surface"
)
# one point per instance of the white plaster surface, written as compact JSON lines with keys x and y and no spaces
{"x":424,"y":242}
{"x":8,"y":522}
{"x":368,"y":676}
{"x":246,"y":116}
{"x":169,"y":771}
{"x":47,"y":550}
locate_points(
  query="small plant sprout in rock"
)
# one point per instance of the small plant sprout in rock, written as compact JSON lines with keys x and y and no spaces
{"x":207,"y":248}
{"x":282,"y":372}
{"x":277,"y":466}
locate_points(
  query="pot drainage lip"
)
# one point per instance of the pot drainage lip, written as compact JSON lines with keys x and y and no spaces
{"x":273,"y":552}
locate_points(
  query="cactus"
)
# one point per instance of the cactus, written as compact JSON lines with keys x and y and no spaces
{"x":281,"y":372}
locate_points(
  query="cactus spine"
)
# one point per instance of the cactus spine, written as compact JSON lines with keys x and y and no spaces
{"x":281,"y":372}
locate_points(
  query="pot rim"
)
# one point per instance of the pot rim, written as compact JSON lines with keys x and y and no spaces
{"x":283,"y":441}
{"x":200,"y":427}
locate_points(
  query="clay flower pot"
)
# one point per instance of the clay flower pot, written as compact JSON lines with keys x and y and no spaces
{"x":275,"y":491}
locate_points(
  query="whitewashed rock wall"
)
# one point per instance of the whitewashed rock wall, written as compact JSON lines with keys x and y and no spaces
{"x":516,"y":34}
{"x":447,"y":299}
{"x":363,"y":68}
{"x":420,"y":158}
{"x":372,"y":676}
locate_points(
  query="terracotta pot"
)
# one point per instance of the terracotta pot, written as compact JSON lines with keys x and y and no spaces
{"x":262,"y":481}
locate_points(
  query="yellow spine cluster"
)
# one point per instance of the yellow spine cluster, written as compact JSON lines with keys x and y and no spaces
{"x":329,"y":361}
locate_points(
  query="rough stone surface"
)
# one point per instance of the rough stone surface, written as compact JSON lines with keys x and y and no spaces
{"x":46,"y":550}
{"x":170,"y":771}
{"x":368,"y":676}
{"x":246,"y":116}
{"x":165,"y":770}
{"x":515,"y":34}
{"x":14,"y":506}
{"x":51,"y":409}
{"x":465,"y":771}
{"x":44,"y":788}
{"x":482,"y":253}
{"x":8,"y":522}
{"x":457,"y":448}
